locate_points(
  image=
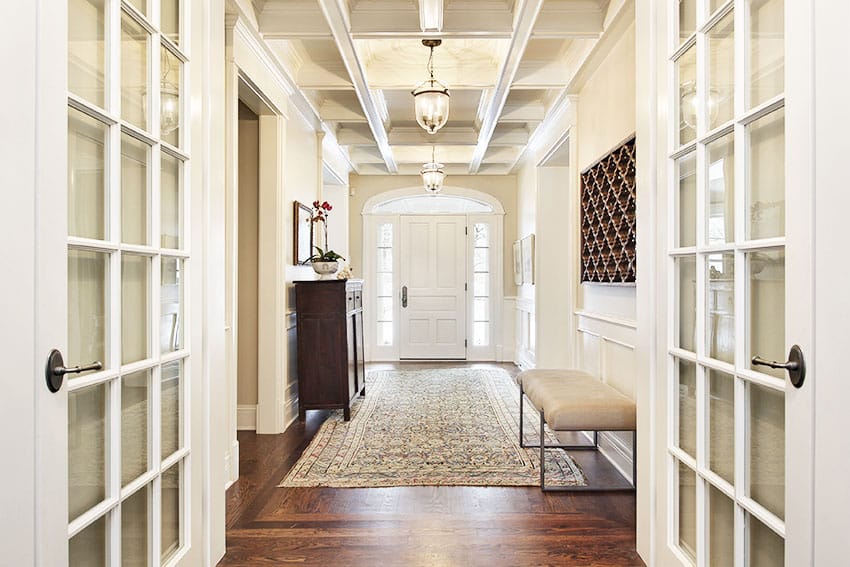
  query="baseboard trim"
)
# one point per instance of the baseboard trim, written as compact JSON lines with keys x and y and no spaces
{"x":246,"y":417}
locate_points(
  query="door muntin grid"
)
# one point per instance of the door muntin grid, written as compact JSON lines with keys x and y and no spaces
{"x":128,"y":271}
{"x":726,"y":270}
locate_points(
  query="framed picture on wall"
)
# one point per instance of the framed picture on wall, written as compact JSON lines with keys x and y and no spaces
{"x":528,"y":259}
{"x":517,"y":262}
{"x":303,"y":233}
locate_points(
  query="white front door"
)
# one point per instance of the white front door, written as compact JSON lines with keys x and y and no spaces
{"x":105,"y":260}
{"x":433,"y":287}
{"x":736,"y":480}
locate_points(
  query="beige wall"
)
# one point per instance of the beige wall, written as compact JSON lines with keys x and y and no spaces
{"x":249,"y":147}
{"x":502,"y":187}
{"x":606,"y":117}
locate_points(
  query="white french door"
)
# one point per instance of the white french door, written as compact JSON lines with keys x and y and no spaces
{"x":110,"y":286}
{"x":432,"y":281}
{"x":737,"y":433}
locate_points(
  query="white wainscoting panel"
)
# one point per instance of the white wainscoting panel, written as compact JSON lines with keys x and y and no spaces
{"x":506,"y":347}
{"x":246,"y":417}
{"x":606,"y":349}
{"x":525,"y":333}
{"x":290,"y":409}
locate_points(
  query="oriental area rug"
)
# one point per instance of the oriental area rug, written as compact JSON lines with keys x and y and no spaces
{"x":435,"y":427}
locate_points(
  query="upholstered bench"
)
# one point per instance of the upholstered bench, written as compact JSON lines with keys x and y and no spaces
{"x":572,"y":400}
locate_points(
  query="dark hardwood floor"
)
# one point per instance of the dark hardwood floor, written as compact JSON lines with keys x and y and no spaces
{"x":417,"y":526}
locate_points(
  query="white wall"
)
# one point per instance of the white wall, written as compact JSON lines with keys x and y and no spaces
{"x":586,"y":326}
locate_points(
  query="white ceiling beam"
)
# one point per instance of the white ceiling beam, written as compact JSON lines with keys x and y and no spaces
{"x":336,"y":16}
{"x":333,"y":111}
{"x":431,"y":15}
{"x":358,"y":135}
{"x":526,"y":16}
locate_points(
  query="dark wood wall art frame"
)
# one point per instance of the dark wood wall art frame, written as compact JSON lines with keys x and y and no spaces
{"x":302,"y":237}
{"x":608,"y":224}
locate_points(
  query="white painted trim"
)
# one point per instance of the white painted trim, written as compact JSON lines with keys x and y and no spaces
{"x":246,"y":417}
{"x":619,"y":321}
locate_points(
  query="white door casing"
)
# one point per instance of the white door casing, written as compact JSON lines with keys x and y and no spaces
{"x":433,"y":283}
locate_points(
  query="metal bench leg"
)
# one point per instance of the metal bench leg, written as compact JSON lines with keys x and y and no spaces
{"x":521,"y":438}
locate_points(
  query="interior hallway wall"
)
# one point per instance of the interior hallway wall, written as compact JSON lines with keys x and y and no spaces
{"x":249,"y":148}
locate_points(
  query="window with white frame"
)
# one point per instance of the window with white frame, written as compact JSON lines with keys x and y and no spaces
{"x":384,"y":284}
{"x":481,"y":284}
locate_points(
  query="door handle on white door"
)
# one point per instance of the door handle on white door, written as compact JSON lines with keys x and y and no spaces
{"x":796,"y":365}
{"x":404,"y":296}
{"x":55,"y":370}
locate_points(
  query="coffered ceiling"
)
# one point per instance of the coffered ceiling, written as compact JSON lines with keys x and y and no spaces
{"x":507,"y":64}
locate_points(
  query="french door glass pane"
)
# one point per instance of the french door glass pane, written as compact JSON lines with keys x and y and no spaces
{"x":86,"y":49}
{"x":687,"y":416}
{"x":169,"y":97}
{"x":687,"y":72}
{"x":767,"y":50}
{"x":135,"y":519}
{"x":171,"y":387}
{"x":135,"y":199}
{"x":766,"y":272}
{"x":721,"y":524}
{"x":135,"y":307}
{"x":170,"y":19}
{"x":688,"y":511}
{"x":720,"y":308}
{"x":686,"y":169}
{"x":686,"y":272}
{"x":87,"y":449}
{"x":721,"y":424}
{"x":89,"y":547}
{"x":88,"y":305}
{"x":766,"y":176}
{"x":721,"y":71}
{"x":170,"y":524}
{"x":135,"y":90}
{"x":687,"y":19}
{"x":385,"y":235}
{"x":86,"y":180}
{"x":713,"y":5}
{"x":140,"y":5}
{"x":135,"y":417}
{"x":721,"y":190}
{"x":171,"y":198}
{"x":171,"y":299}
{"x":766,"y":458}
{"x":766,"y":549}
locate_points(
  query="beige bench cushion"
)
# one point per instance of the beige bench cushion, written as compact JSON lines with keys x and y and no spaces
{"x":551,"y":372}
{"x":576,"y":401}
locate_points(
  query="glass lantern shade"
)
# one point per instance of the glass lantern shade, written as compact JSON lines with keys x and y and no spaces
{"x":169,"y":112}
{"x":433,"y":176}
{"x":431,"y":104}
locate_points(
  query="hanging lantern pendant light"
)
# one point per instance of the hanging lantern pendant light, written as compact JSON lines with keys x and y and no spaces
{"x":431,"y":98}
{"x":433,"y":175}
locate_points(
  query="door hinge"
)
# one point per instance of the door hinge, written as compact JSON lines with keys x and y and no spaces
{"x":466,"y":230}
{"x":465,"y":343}
{"x":465,"y":287}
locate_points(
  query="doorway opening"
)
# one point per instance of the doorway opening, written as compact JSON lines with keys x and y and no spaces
{"x":438,"y":270}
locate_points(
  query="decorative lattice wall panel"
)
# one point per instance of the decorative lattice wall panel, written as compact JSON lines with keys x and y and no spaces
{"x":608,"y":218}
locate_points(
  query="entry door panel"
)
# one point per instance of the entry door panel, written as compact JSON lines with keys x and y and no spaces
{"x":433,"y":271}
